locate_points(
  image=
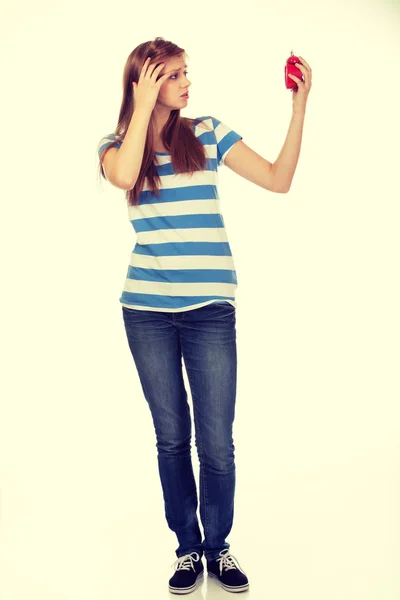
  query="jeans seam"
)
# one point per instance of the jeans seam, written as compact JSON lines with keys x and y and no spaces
{"x":201,"y":453}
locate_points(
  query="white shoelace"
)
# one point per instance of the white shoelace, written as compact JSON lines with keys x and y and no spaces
{"x":227,"y":561}
{"x":185,"y":562}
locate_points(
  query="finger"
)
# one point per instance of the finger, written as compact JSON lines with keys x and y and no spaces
{"x":299,"y":81}
{"x":145,"y":64}
{"x":303,"y":69}
{"x":158,"y":66}
{"x":143,"y":72}
{"x":157,"y":70}
{"x":305,"y":63}
{"x":151,"y":69}
{"x":166,"y":74}
{"x":302,"y":80}
{"x":163,"y":78}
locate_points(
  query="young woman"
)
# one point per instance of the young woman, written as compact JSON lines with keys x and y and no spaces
{"x":178,"y":299}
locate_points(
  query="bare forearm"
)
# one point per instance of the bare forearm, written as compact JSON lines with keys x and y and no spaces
{"x":130,"y":155}
{"x":285,"y":165}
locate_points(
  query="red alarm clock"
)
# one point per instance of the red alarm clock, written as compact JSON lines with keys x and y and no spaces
{"x":291,"y":68}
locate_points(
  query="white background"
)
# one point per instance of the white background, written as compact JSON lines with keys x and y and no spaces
{"x":317,"y":417}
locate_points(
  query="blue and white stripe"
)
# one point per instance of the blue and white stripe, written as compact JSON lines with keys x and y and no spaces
{"x":182,"y":258}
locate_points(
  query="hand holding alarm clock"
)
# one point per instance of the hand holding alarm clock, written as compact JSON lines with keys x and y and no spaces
{"x":298,"y":78}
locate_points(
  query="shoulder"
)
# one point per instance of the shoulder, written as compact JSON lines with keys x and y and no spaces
{"x":204,"y":122}
{"x":213,"y":124}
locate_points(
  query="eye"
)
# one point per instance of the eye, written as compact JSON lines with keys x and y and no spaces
{"x":185,"y":72}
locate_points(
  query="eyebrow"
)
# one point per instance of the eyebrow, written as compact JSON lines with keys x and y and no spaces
{"x":173,"y":70}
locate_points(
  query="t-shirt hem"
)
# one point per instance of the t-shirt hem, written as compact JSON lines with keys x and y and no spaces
{"x":181,"y":309}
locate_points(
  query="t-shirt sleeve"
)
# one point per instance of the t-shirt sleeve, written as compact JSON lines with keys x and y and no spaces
{"x":104,"y":143}
{"x":225,"y":138}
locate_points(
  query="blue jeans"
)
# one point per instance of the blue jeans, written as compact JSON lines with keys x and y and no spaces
{"x":206,"y":339}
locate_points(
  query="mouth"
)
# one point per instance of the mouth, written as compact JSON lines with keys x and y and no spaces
{"x":185,"y":95}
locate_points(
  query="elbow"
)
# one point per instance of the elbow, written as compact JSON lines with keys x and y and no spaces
{"x":128,"y":185}
{"x":278,"y":188}
{"x":281,"y":190}
{"x":125,"y":183}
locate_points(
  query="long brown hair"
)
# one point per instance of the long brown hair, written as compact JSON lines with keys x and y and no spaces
{"x":187,"y":152}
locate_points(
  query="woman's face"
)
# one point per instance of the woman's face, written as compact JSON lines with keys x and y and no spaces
{"x":176,"y":83}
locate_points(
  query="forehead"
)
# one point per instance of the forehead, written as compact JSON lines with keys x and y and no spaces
{"x":175,"y":64}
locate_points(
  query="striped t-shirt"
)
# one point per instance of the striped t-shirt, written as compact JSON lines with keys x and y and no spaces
{"x":182,"y":259}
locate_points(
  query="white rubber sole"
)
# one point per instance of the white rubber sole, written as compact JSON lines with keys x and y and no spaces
{"x":229,"y":588}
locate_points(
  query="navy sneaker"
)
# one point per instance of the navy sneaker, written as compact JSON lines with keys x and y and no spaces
{"x":228,"y":572}
{"x":189,"y":571}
